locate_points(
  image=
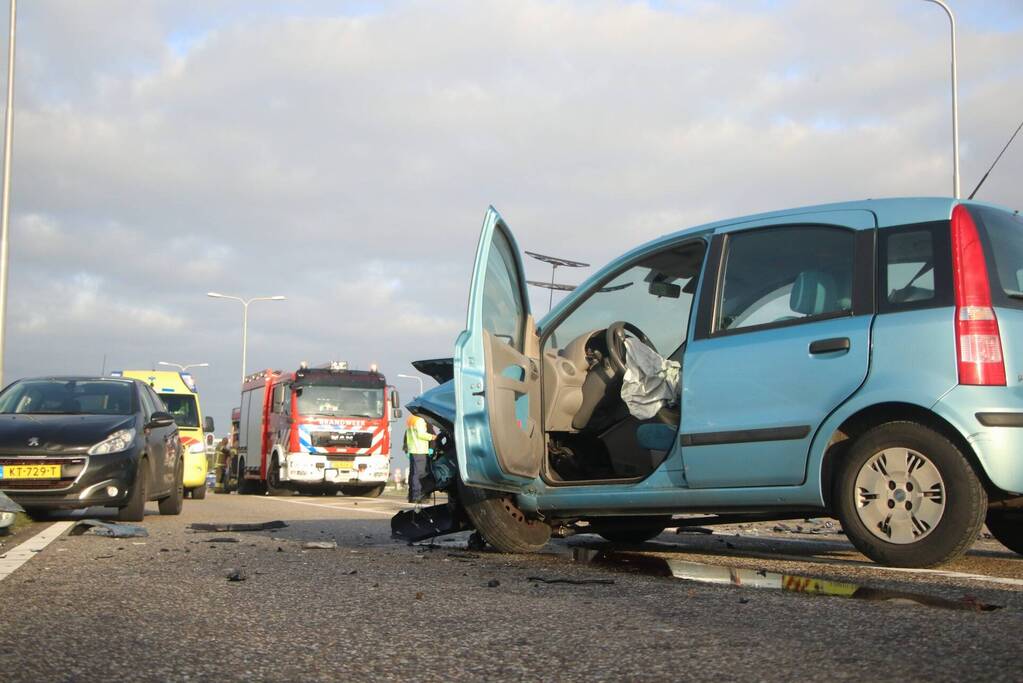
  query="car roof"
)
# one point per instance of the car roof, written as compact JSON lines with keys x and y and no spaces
{"x":77,"y":378}
{"x":888,"y":212}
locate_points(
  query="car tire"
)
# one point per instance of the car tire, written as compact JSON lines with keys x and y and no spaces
{"x":630,"y":530}
{"x":273,"y":479}
{"x":135,"y":509}
{"x":500,"y":522}
{"x":1007,"y":527}
{"x":246,"y":487}
{"x":199,"y":492}
{"x":908,"y":497}
{"x":172,"y":504}
{"x":363,"y":491}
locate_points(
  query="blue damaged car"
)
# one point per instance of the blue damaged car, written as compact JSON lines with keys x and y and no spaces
{"x":861,"y":360}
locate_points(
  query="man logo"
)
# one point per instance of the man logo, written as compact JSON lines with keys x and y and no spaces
{"x":34,"y":441}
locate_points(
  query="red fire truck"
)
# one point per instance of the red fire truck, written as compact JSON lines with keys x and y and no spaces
{"x":316,"y":430}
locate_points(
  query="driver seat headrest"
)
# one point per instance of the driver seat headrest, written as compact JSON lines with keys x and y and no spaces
{"x":814,"y":292}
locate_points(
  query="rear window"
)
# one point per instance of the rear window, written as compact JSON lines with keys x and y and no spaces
{"x":1004,"y":233}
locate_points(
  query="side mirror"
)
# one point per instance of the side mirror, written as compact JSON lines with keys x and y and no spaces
{"x":395,"y":414}
{"x":207,"y":425}
{"x":160,"y":418}
{"x":395,"y":401}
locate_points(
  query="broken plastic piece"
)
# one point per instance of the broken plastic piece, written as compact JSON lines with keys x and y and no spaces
{"x":436,"y":520}
{"x":261,"y":526}
{"x":95,"y":527}
{"x":656,"y":565}
{"x":320,"y":545}
{"x":574,"y":582}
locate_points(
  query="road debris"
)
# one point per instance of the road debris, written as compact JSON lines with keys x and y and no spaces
{"x":95,"y":527}
{"x":237,"y":575}
{"x":573,"y":582}
{"x":428,"y":522}
{"x":319,"y":545}
{"x":656,"y":565}
{"x":493,"y":583}
{"x":225,"y":539}
{"x":260,"y":526}
{"x":694,"y":530}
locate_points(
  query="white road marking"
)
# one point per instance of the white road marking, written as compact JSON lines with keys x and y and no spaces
{"x":389,"y":513}
{"x":951,"y":574}
{"x":30,"y":548}
{"x":875,"y":567}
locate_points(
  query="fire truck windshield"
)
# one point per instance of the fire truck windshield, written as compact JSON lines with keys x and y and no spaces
{"x":338,"y":401}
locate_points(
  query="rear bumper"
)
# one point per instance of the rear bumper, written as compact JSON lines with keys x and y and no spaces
{"x":991,"y":420}
{"x":88,"y":489}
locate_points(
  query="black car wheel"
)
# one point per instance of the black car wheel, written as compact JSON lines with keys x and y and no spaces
{"x":135,"y":509}
{"x":1007,"y":527}
{"x":363,"y":491}
{"x":500,"y":522}
{"x":246,"y":487}
{"x":273,"y":479}
{"x":199,"y":492}
{"x":172,"y":504}
{"x":907,"y":496}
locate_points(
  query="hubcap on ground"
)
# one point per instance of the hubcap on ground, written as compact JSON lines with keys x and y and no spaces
{"x":900,"y":495}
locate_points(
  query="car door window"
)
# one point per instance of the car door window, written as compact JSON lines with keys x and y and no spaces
{"x":503,"y":309}
{"x":149,"y":406}
{"x":777,"y":275}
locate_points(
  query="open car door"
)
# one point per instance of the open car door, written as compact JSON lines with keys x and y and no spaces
{"x":497,"y":370}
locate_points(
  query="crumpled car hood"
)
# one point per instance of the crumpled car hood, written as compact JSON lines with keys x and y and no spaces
{"x":438,"y":401}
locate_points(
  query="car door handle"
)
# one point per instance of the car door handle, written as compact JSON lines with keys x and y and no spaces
{"x":830,"y":345}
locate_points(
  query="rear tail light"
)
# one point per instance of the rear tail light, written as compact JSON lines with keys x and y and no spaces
{"x":978,"y":340}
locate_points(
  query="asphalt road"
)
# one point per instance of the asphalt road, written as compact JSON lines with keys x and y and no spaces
{"x":162,"y":608}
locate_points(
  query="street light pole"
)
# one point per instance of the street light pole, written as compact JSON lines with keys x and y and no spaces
{"x":245,"y":318}
{"x":181,"y":367}
{"x":418,"y":379}
{"x":5,"y":210}
{"x":955,"y":100}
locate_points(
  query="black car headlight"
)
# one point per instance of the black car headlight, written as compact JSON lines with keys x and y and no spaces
{"x":119,"y":441}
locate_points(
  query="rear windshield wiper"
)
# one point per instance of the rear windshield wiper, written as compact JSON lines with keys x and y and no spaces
{"x":1012,"y":294}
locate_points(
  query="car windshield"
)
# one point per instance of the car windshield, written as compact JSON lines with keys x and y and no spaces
{"x":183,"y":408}
{"x":340,"y":401}
{"x":67,"y":397}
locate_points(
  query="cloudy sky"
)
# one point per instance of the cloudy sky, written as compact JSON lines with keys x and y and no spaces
{"x":343,"y":153}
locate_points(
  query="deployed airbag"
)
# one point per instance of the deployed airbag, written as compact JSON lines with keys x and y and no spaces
{"x":650,"y":381}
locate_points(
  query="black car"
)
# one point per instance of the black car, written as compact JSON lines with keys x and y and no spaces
{"x":76,"y":442}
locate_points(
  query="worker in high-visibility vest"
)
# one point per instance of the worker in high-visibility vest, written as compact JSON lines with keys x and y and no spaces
{"x":417,"y":444}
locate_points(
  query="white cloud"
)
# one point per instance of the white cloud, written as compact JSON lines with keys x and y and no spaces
{"x":169,"y":148}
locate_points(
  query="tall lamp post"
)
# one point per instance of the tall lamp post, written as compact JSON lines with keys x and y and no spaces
{"x":5,"y":210}
{"x":181,"y":367}
{"x":245,"y":318}
{"x":955,"y":100}
{"x":418,"y":379}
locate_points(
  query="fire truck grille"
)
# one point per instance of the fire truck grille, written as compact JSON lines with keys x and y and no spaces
{"x":342,"y":439}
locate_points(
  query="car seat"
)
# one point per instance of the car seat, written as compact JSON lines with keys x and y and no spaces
{"x":814,"y":292}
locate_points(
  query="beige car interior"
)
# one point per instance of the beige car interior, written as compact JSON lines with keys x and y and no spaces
{"x":590,"y":433}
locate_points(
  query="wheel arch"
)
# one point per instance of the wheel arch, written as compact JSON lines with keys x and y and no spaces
{"x":868,"y":417}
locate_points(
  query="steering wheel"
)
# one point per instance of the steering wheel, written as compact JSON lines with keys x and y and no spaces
{"x":615,"y":336}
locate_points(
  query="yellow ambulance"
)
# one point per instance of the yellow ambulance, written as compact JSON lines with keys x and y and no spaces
{"x":177,"y":389}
